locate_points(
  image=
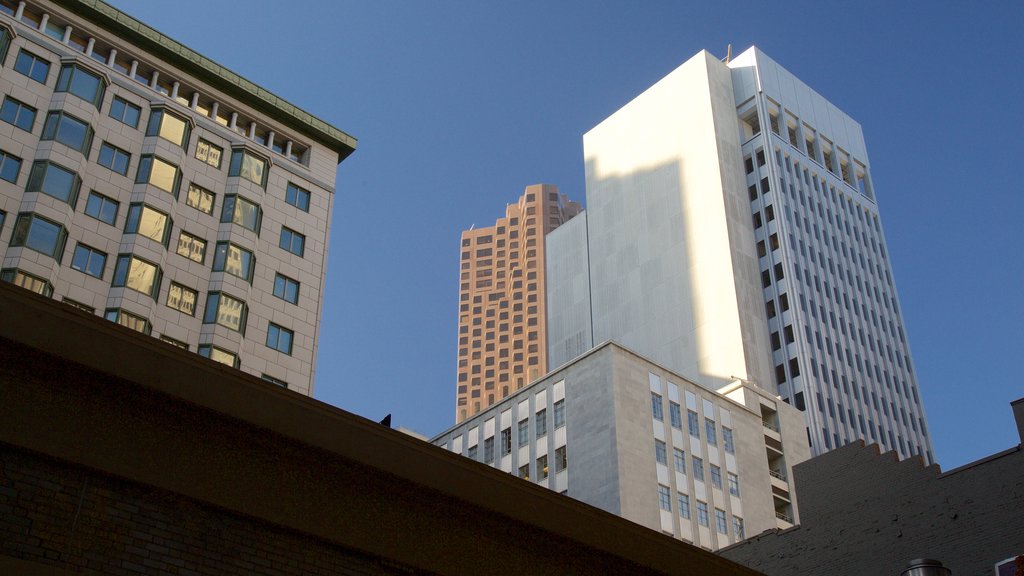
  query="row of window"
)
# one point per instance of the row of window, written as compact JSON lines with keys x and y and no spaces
{"x":703,"y":519}
{"x":693,"y":423}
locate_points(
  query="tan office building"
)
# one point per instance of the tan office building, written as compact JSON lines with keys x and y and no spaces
{"x":145,"y":183}
{"x":502,"y":327}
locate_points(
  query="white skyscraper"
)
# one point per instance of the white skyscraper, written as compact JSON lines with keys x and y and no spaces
{"x":732,"y":233}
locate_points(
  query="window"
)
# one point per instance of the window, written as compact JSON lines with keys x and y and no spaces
{"x":720,"y":522}
{"x":240,"y":211}
{"x":101,"y":208}
{"x":702,"y":513}
{"x":524,"y":432}
{"x":209,"y":153}
{"x":32,"y":66}
{"x":27,"y":281}
{"x":561,"y":462}
{"x":234,"y":260}
{"x":159,"y":173}
{"x":137,"y":274}
{"x":39,"y":234}
{"x":692,"y":421}
{"x":541,"y":422}
{"x":679,"y":458}
{"x":114,"y":158}
{"x":524,"y":471}
{"x":128,"y":320}
{"x":698,"y":469}
{"x":489,"y":450}
{"x":734,"y":484}
{"x":199,"y":198}
{"x":125,"y":112}
{"x":81,"y":83}
{"x":286,"y":289}
{"x":730,"y":446}
{"x":716,"y":476}
{"x":542,"y":467}
{"x":664,"y":498}
{"x":219,"y":355}
{"x":225,"y":310}
{"x":292,"y":241}
{"x":280,"y":338}
{"x":684,"y":505}
{"x":191,"y":247}
{"x":248,"y":166}
{"x":297,"y":197}
{"x":182,"y":299}
{"x":148,"y":222}
{"x":68,"y":130}
{"x":506,"y":441}
{"x":168,"y":126}
{"x":89,"y":260}
{"x":18,"y":113}
{"x":278,"y":382}
{"x":676,"y":415}
{"x":737,"y":528}
{"x":660,"y":452}
{"x":9,"y":167}
{"x":78,"y":305}
{"x":656,"y":407}
{"x":560,"y":413}
{"x":710,"y":431}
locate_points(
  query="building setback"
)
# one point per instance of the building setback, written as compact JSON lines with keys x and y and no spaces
{"x":732,"y":232}
{"x":502,"y":331}
{"x":619,"y":432}
{"x":145,"y":183}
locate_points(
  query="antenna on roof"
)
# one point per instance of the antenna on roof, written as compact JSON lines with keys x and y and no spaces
{"x":728,"y":53}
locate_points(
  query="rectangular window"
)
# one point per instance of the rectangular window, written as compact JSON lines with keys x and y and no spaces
{"x":199,"y":198}
{"x":676,"y":415}
{"x":240,"y":211}
{"x":737,"y":528}
{"x":734,"y":484}
{"x":168,"y":126}
{"x":272,"y":380}
{"x":297,"y":197}
{"x":234,"y":260}
{"x":125,"y":112}
{"x":524,"y":432}
{"x":280,"y":338}
{"x":101,"y":208}
{"x":39,"y":234}
{"x":698,"y":469}
{"x":128,"y":320}
{"x":560,"y":413}
{"x":561,"y":460}
{"x":541,"y":422}
{"x":137,"y":274}
{"x":209,"y":153}
{"x":160,"y":173}
{"x":660,"y":452}
{"x":78,"y":305}
{"x":18,"y":113}
{"x":716,"y":476}
{"x":114,"y":158}
{"x":710,"y":431}
{"x":82,"y":83}
{"x":694,"y":423}
{"x":684,"y":505}
{"x":664,"y":498}
{"x":182,"y":299}
{"x":657,"y":407}
{"x":286,"y":289}
{"x":730,"y":446}
{"x":148,"y":222}
{"x":27,"y":281}
{"x":489,"y":450}
{"x":68,"y":130}
{"x":720,"y":522}
{"x":10,"y":166}
{"x":702,"y":513}
{"x":679,"y":458}
{"x":219,"y":355}
{"x":191,"y":247}
{"x":542,"y":467}
{"x":88,"y":260}
{"x":292,"y":241}
{"x":524,"y":471}
{"x":225,"y":310}
{"x":248,"y":166}
{"x":506,"y":441}
{"x":32,"y":66}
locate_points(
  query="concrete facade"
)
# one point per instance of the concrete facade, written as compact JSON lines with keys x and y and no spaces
{"x":723,"y":247}
{"x":617,"y":431}
{"x":149,"y":185}
{"x":502,"y":299}
{"x":862,"y":512}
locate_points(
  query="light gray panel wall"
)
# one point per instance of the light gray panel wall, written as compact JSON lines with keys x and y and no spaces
{"x":568,"y":291}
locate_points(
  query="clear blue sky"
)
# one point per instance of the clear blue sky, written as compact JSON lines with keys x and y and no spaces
{"x":459,"y":105}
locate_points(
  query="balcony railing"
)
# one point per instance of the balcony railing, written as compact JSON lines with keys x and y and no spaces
{"x":778,"y":475}
{"x":769,"y":425}
{"x":783,"y":516}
